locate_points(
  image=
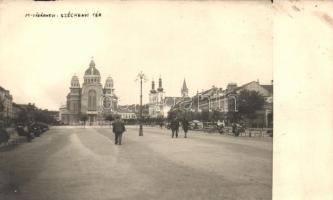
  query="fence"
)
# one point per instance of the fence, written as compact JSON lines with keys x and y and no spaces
{"x":257,"y":132}
{"x":249,"y":132}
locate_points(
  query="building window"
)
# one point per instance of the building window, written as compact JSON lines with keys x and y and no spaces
{"x":92,"y":99}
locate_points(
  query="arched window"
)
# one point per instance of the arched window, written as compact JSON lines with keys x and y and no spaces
{"x":92,"y":100}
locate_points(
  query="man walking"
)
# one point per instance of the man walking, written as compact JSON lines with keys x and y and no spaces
{"x":118,"y":129}
{"x":185,"y":126}
{"x":174,"y":125}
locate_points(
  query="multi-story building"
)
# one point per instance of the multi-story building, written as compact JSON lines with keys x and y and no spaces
{"x":128,"y":111}
{"x":265,"y":115}
{"x":92,"y":99}
{"x":226,"y":101}
{"x":6,"y":104}
{"x":63,"y":113}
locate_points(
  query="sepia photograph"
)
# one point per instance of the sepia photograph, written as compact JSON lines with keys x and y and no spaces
{"x":138,"y":99}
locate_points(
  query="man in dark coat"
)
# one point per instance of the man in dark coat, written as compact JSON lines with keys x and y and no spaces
{"x":118,"y":129}
{"x":174,"y":125}
{"x":185,"y":126}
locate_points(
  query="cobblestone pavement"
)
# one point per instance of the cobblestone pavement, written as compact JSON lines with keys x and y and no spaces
{"x":75,"y":163}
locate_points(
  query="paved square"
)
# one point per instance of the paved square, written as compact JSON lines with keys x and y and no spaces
{"x":83,"y":163}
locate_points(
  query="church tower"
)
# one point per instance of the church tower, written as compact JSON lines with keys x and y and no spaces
{"x":109,"y":99}
{"x":156,"y":99}
{"x":91,"y":99}
{"x":92,"y":93}
{"x":108,"y":86}
{"x":73,"y":98}
{"x":184,"y":90}
{"x":152,"y":100}
{"x":152,"y":94}
{"x":160,"y":88}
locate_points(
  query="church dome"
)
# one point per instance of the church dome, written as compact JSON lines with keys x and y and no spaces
{"x":92,"y":70}
{"x":109,"y":82}
{"x":75,"y":83}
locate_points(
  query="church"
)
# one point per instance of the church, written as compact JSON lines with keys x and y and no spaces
{"x":91,"y":100}
{"x":159,"y":104}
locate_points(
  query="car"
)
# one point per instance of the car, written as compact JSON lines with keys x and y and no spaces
{"x":23,"y":131}
{"x":195,"y":124}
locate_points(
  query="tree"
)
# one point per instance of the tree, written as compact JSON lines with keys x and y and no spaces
{"x":197,"y":116}
{"x":84,"y":118}
{"x":216,"y":115}
{"x":205,"y":115}
{"x":2,"y":107}
{"x":171,"y":115}
{"x":249,"y":102}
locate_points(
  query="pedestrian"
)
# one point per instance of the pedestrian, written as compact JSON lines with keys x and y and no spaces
{"x":118,"y":129}
{"x":161,"y":124}
{"x":233,"y":127}
{"x":185,"y":126}
{"x":174,"y":127}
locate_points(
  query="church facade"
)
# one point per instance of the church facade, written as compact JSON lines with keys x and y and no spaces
{"x":156,"y":100}
{"x":92,"y":100}
{"x":159,"y":104}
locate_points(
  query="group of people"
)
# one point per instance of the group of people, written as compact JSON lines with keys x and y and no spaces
{"x":119,"y":128}
{"x":174,"y":126}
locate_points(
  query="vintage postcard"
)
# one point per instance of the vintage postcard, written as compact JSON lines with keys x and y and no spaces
{"x":157,"y":99}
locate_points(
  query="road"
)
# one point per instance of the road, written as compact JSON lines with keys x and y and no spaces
{"x":69,"y":163}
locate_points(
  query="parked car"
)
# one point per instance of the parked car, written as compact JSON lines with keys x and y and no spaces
{"x":24,"y":131}
{"x":38,"y":128}
{"x":43,"y":126}
{"x":195,"y":124}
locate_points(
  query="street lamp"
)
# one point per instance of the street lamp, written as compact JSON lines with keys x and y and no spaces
{"x":198,"y":101}
{"x":141,"y":76}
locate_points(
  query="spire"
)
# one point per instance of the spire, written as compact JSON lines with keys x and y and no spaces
{"x":160,"y":82}
{"x":160,"y":87}
{"x":184,"y":85}
{"x":184,"y":90}
{"x":92,"y":62}
{"x":152,"y":87}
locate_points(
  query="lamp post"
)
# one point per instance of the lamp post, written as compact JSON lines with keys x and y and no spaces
{"x":198,"y":100}
{"x":141,"y":76}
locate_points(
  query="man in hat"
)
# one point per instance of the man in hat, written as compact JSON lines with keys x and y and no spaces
{"x":118,"y":129}
{"x":174,"y":125}
{"x":185,"y":125}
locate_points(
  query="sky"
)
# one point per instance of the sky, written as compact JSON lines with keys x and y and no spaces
{"x":206,"y":43}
